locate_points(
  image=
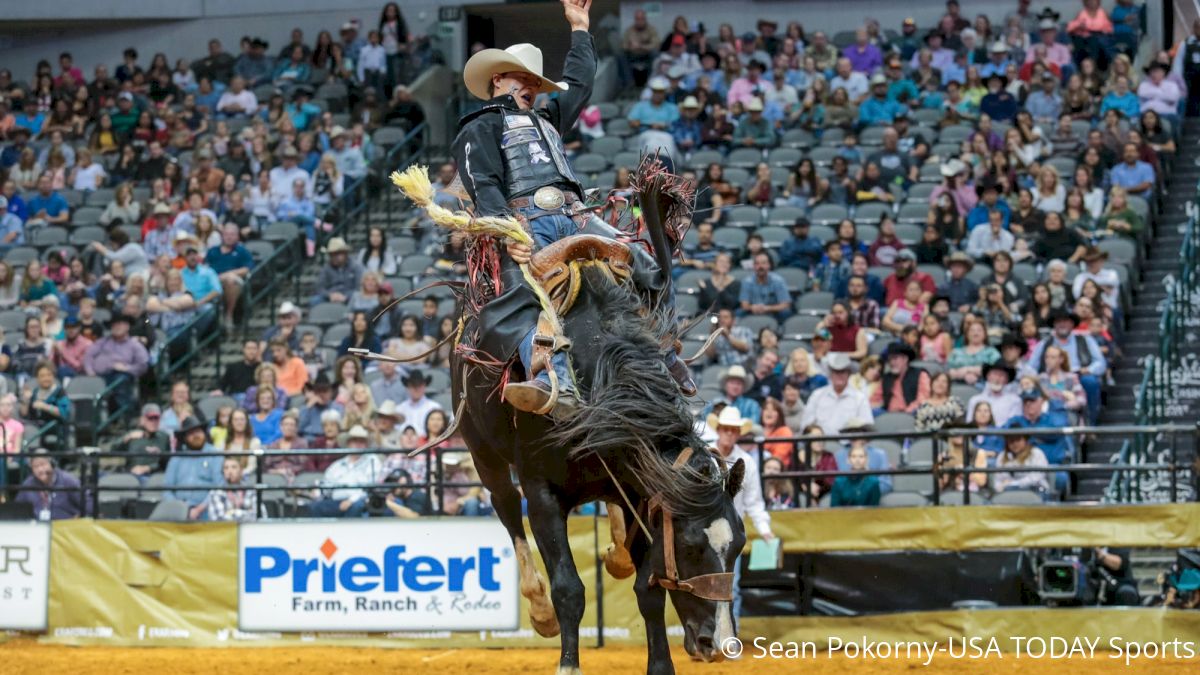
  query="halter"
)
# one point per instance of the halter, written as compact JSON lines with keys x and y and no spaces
{"x":717,"y":586}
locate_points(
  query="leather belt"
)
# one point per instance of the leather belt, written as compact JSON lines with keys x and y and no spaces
{"x":549,"y":198}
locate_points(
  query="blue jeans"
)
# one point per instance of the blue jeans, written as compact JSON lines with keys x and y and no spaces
{"x":1091,"y":387}
{"x":331,"y":508}
{"x":558,"y":360}
{"x":474,"y":507}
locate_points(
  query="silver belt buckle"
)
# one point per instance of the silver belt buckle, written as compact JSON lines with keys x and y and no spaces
{"x":548,"y":198}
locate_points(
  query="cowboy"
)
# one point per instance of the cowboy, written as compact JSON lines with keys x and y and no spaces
{"x":734,"y":384}
{"x":511,"y":161}
{"x":996,"y":393}
{"x":417,"y":406}
{"x":729,"y":427}
{"x":196,"y":464}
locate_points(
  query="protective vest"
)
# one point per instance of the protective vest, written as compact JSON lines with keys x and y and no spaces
{"x":533,"y":155}
{"x":1191,"y":58}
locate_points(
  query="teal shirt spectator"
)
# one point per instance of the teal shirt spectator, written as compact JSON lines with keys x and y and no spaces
{"x":36,"y":291}
{"x":648,"y":114}
{"x":53,"y":205}
{"x":760,"y":130}
{"x":201,"y":469}
{"x":201,"y":281}
{"x":902,"y":91}
{"x":302,"y":115}
{"x":878,"y":111}
{"x":855,"y":491}
{"x":1127,"y":105}
{"x":31,"y":122}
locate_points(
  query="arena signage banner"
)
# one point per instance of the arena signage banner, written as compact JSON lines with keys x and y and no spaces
{"x":412,"y":575}
{"x":24,"y":575}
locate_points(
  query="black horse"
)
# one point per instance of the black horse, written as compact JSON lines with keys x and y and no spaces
{"x":633,"y":438}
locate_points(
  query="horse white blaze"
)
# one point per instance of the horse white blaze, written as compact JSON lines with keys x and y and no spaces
{"x":720,"y":537}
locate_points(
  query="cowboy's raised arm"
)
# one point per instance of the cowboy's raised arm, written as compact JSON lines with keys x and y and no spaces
{"x":579,"y":68}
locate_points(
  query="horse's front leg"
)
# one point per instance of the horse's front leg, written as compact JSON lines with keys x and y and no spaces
{"x":652,"y":603}
{"x":548,"y":520}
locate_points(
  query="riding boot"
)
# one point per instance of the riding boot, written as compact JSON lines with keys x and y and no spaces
{"x":679,"y":371}
{"x":534,"y":394}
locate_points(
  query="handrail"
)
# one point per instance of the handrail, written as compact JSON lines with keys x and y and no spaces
{"x":282,"y":265}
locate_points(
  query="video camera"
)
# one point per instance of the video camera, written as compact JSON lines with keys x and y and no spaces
{"x":1073,"y":576}
{"x":377,"y":496}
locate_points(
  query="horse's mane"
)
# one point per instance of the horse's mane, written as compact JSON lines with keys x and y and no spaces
{"x":635,"y":415}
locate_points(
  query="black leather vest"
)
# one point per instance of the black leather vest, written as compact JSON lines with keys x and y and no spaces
{"x":533,"y":155}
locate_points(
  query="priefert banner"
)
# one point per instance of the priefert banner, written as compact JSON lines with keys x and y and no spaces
{"x":410,"y":575}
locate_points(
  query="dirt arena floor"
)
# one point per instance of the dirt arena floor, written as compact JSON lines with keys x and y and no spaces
{"x":22,"y":657}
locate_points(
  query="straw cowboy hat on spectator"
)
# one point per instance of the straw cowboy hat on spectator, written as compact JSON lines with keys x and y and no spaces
{"x":524,"y":58}
{"x":337,"y":245}
{"x":730,"y":417}
{"x":736,"y":372}
{"x":388,"y":409}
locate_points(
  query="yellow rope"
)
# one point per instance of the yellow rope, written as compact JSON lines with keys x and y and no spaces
{"x":415,"y":184}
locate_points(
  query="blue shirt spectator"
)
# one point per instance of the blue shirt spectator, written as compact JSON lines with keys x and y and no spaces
{"x":1127,"y":104}
{"x":199,"y":279}
{"x":30,"y":119}
{"x":1001,"y":106}
{"x":801,"y":250}
{"x":222,"y":261}
{"x":18,"y":207}
{"x":650,"y":114}
{"x":878,"y":109}
{"x":979,"y":215}
{"x":766,"y":289}
{"x":199,"y":467}
{"x":1056,"y":448}
{"x":53,"y":204}
{"x":1136,"y":176}
{"x":12,"y":230}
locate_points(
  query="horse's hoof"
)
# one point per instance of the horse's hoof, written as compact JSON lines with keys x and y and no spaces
{"x":547,"y":628}
{"x":617,"y":562}
{"x":568,"y":670}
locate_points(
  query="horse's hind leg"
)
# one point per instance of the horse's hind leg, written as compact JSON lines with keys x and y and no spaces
{"x":548,"y":519}
{"x":507,"y":503}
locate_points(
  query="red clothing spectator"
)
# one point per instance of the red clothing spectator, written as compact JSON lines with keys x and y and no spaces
{"x":893,"y":286}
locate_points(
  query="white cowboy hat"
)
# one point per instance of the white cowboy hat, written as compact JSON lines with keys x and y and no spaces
{"x":730,"y":417}
{"x":525,"y":58}
{"x":357,"y":431}
{"x":337,"y":245}
{"x":738,"y":372}
{"x":388,"y":409}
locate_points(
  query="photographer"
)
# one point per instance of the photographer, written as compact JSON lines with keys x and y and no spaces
{"x":399,"y":500}
{"x":1114,"y":574}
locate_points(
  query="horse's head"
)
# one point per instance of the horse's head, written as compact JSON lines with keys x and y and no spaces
{"x":694,"y":557}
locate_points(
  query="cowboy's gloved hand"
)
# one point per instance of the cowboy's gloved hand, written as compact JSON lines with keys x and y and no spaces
{"x":519,"y":252}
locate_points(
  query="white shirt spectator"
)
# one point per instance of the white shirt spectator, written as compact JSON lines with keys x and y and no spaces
{"x":982,"y":241}
{"x":371,"y":57}
{"x":855,"y":85}
{"x":246,"y":100}
{"x":831,"y":411}
{"x":1022,"y":480}
{"x":282,"y":180}
{"x":1056,"y":202}
{"x":1162,"y":98}
{"x":1005,"y":406}
{"x":186,"y":220}
{"x":1108,"y":280}
{"x":87,"y":178}
{"x":414,"y":412}
{"x":749,"y":500}
{"x":346,"y":471}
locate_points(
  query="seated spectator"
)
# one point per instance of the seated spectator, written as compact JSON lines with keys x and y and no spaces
{"x":14,"y":431}
{"x":778,"y":493}
{"x":265,"y":421}
{"x":855,"y":84}
{"x":904,"y":388}
{"x":905,"y":270}
{"x":958,"y":288}
{"x":340,"y":276}
{"x":377,"y":255}
{"x":837,"y":403}
{"x":354,"y":469}
{"x":87,"y":175}
{"x":804,"y":374}
{"x":968,"y":362}
{"x":906,"y":311}
{"x":118,"y":359}
{"x":801,"y":250}
{"x":148,"y":438}
{"x":1083,"y":355}
{"x":366,"y":297}
{"x":253,"y":64}
{"x":462,"y":500}
{"x":318,"y":401}
{"x":1121,"y":99}
{"x":768,"y":380}
{"x":775,"y":426}
{"x":847,"y":337}
{"x":833,"y":270}
{"x":350,"y":160}
{"x":34,"y":348}
{"x":878,"y":108}
{"x":415,"y":408}
{"x":69,"y":352}
{"x":195,"y":466}
{"x":47,"y":207}
{"x":228,"y":503}
{"x":299,"y":208}
{"x":1119,"y":218}
{"x":1019,"y":452}
{"x":985,"y":242}
{"x":179,"y":408}
{"x":863,"y":310}
{"x":1060,"y":385}
{"x":941,"y":407}
{"x":43,"y":399}
{"x":876,"y":458}
{"x":1013,"y":349}
{"x":1105,"y":277}
{"x":858,"y":489}
{"x":655,"y":116}
{"x":765,"y":292}
{"x":292,"y":374}
{"x":239,"y":376}
{"x":65,"y":501}
{"x":404,"y":110}
{"x":753,"y":130}
{"x":734,"y":384}
{"x":998,"y":104}
{"x":1057,"y":242}
{"x":361,"y":336}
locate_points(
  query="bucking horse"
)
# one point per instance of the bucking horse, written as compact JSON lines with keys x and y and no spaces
{"x":631,"y":442}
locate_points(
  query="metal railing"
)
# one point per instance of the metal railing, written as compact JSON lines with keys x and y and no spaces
{"x":267,"y":279}
{"x":937,"y":469}
{"x":273,"y":491}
